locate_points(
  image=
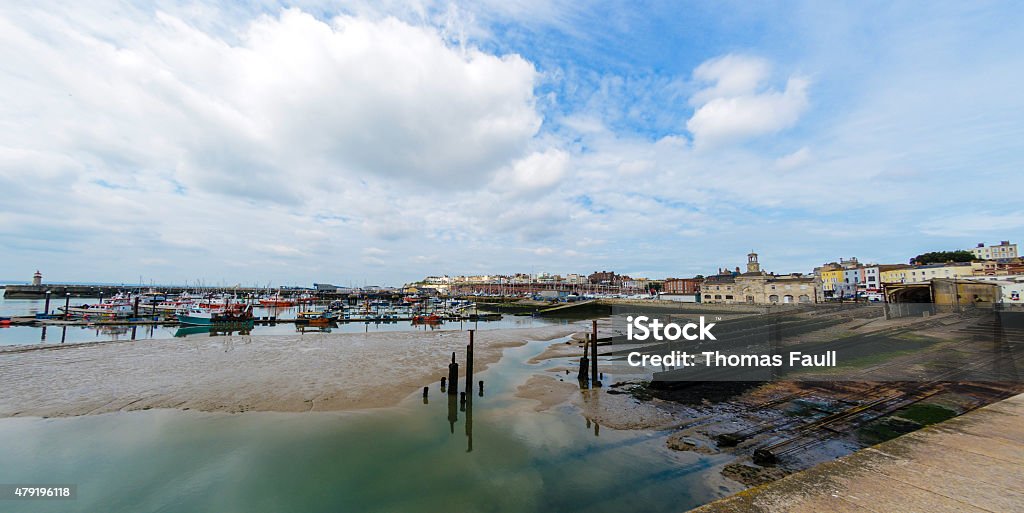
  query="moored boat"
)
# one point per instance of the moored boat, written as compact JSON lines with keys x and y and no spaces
{"x":103,"y":309}
{"x":426,"y":319}
{"x":316,"y":318}
{"x":197,"y":316}
{"x":277,"y":301}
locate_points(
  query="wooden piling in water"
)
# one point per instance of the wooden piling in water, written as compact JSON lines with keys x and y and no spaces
{"x":481,"y":388}
{"x":584,"y":365}
{"x":453,"y":377}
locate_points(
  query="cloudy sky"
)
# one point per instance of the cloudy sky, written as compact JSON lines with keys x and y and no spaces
{"x":379,"y":142}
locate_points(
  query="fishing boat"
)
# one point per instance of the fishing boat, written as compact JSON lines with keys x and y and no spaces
{"x":277,"y":301}
{"x":426,"y":319}
{"x":198,"y":316}
{"x":316,"y":318}
{"x":169,"y":305}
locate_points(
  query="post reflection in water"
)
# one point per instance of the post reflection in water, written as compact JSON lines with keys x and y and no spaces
{"x":463,"y":402}
{"x":453,"y":412}
{"x":592,"y":400}
{"x":469,"y":422}
{"x":63,"y":334}
{"x":42,"y":337}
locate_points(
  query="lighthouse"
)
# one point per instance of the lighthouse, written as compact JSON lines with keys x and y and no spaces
{"x":37,"y":279}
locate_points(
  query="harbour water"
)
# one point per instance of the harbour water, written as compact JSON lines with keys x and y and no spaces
{"x":24,"y":335}
{"x":500,"y":456}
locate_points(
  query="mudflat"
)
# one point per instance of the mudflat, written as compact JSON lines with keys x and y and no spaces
{"x":287,"y":373}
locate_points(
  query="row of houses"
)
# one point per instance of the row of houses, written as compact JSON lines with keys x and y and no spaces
{"x":994,"y":266}
{"x":843,"y":280}
{"x":848,"y":278}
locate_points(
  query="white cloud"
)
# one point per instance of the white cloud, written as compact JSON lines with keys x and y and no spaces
{"x":295,"y":103}
{"x":729,"y":75}
{"x":734,"y":106}
{"x":975,"y":224}
{"x":538,"y":172}
{"x":793,"y":160}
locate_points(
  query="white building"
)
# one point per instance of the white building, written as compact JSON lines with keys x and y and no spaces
{"x":1003,"y":250}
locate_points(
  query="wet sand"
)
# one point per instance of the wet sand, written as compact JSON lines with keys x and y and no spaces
{"x":618,"y":411}
{"x":288,"y":373}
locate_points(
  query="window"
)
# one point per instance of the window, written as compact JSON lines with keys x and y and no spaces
{"x":774,"y":298}
{"x":707,"y":296}
{"x":718,"y":296}
{"x":728,"y":297}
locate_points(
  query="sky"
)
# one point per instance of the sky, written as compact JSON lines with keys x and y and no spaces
{"x":359,"y":143}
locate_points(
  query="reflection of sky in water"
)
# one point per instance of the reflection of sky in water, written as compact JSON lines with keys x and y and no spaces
{"x":16,"y":335}
{"x":397,"y":459}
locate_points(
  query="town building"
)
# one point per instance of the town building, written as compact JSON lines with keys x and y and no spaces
{"x":604,"y":278}
{"x":923,"y":273}
{"x":873,"y":275}
{"x":1003,"y":251}
{"x":757,"y":287}
{"x":681,"y":285}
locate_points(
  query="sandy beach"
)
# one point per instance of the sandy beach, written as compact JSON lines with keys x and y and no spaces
{"x":311,"y":372}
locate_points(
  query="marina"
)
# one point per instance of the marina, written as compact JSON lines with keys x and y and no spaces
{"x":124,"y":316}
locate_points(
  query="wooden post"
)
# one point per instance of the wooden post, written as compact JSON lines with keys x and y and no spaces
{"x":453,"y":377}
{"x":46,"y":309}
{"x":67,"y":304}
{"x":481,"y":388}
{"x":135,"y":308}
{"x":584,"y":365}
{"x":593,"y":353}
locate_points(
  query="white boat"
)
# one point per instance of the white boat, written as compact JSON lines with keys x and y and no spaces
{"x":104,"y":309}
{"x":198,"y":316}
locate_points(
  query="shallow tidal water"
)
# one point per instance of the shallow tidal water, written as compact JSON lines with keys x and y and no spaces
{"x":499,"y":456}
